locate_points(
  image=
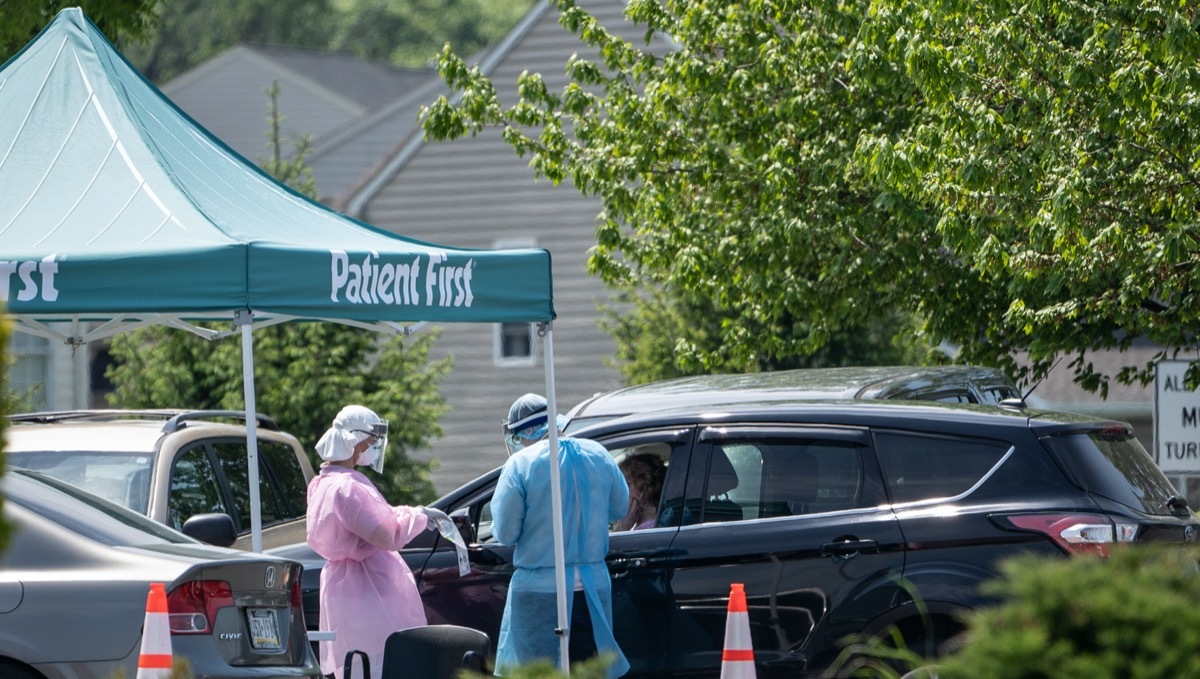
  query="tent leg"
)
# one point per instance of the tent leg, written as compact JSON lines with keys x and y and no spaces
{"x":564,"y":624}
{"x":82,"y":382}
{"x":244,"y":319}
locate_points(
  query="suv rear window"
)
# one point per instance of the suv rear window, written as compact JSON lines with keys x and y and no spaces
{"x":928,"y":467}
{"x":118,"y":477}
{"x":1113,"y":464}
{"x":79,"y":511}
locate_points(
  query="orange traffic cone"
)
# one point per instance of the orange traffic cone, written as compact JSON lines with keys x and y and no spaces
{"x":737,"y":662}
{"x":155,"y":659}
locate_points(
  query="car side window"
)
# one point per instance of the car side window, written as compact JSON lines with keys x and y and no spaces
{"x":194,"y":488}
{"x":232,"y":458}
{"x":994,"y":395}
{"x":671,"y":446}
{"x":660,"y":449}
{"x":280,"y":459}
{"x":769,"y":476}
{"x":918,"y":467}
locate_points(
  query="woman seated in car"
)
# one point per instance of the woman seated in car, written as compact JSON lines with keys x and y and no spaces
{"x":644,"y":473}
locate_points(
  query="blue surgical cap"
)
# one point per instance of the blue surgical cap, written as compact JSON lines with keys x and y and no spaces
{"x":527,"y":417}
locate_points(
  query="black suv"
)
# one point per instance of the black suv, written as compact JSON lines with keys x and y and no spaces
{"x":840,"y":518}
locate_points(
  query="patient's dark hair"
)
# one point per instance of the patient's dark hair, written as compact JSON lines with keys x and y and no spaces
{"x":647,"y":471}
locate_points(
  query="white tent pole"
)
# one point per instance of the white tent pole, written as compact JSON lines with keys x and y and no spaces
{"x":243,"y":318}
{"x":81,"y":383}
{"x":560,"y":568}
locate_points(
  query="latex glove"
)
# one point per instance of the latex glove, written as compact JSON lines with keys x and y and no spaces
{"x":436,"y":516}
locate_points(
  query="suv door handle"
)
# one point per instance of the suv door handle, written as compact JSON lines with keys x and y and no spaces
{"x":619,"y":568}
{"x":483,"y":556}
{"x":849,"y":547}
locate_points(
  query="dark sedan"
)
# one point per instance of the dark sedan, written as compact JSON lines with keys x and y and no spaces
{"x":74,"y":581}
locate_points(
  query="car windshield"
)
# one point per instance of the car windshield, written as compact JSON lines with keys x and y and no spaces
{"x":84,"y":513}
{"x":1113,"y":464}
{"x":123,"y":478}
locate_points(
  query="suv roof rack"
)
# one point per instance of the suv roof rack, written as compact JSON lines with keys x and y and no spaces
{"x":176,"y":419}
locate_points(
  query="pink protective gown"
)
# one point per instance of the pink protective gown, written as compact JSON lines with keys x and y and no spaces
{"x":367,"y":591}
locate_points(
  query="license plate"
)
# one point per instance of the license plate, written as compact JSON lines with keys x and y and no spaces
{"x":264,"y":630}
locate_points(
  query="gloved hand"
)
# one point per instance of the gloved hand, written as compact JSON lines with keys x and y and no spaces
{"x":444,"y":525}
{"x":436,"y":516}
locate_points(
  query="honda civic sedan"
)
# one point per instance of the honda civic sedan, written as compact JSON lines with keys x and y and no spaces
{"x":75,"y":576}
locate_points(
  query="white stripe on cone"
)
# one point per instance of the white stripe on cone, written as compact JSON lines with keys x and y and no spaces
{"x":737,"y":660}
{"x":154,"y":661}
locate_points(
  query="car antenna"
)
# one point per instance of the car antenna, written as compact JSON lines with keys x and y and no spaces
{"x":1025,"y":396}
{"x":1023,"y":402}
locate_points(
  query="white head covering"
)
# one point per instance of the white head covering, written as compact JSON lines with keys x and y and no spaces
{"x":353,"y":425}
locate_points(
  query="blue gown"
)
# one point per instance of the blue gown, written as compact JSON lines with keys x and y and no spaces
{"x":593,"y":495}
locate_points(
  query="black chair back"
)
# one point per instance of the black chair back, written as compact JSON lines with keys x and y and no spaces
{"x":434,"y":652}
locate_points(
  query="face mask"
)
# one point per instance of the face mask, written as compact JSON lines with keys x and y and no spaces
{"x":373,"y":457}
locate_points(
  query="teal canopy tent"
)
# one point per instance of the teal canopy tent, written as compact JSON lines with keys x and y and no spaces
{"x":118,"y":211}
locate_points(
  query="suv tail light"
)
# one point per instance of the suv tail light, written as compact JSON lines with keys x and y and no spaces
{"x":193,"y":605}
{"x":1076,"y":533}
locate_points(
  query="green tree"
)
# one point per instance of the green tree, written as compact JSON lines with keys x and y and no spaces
{"x":404,"y":33}
{"x":841,"y":162}
{"x":409,"y":33}
{"x":123,"y":21}
{"x":660,"y":336}
{"x":1058,"y":143}
{"x":304,"y":373}
{"x":724,"y":166}
{"x":190,"y":32}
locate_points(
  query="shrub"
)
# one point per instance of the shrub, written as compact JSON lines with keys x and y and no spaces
{"x":1135,"y":614}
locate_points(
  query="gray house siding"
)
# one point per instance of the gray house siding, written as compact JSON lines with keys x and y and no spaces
{"x":309,"y":107}
{"x":476,"y":192}
{"x":355,"y":111}
{"x":469,"y":208}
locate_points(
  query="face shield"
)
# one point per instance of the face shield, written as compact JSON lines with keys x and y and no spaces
{"x":526,"y":414}
{"x":377,"y":434}
{"x":512,"y":440}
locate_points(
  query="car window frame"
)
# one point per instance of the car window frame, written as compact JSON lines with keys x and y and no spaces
{"x":710,"y":436}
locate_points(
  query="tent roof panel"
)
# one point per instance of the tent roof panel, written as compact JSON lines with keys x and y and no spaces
{"x":113,"y":200}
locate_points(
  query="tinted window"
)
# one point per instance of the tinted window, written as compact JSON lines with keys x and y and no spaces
{"x":948,"y":397}
{"x":997,"y":394}
{"x":285,"y":468}
{"x":926,"y":467}
{"x":767,"y":476}
{"x":1116,"y":466}
{"x":232,"y":458}
{"x":194,"y":488}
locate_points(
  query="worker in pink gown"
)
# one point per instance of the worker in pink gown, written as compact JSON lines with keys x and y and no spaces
{"x":367,"y":591}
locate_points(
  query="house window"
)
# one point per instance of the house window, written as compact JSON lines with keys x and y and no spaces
{"x":514,"y":344}
{"x":27,"y":375}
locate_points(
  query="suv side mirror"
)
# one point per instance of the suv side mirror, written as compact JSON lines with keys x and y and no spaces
{"x":462,"y":521}
{"x":215,"y":529}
